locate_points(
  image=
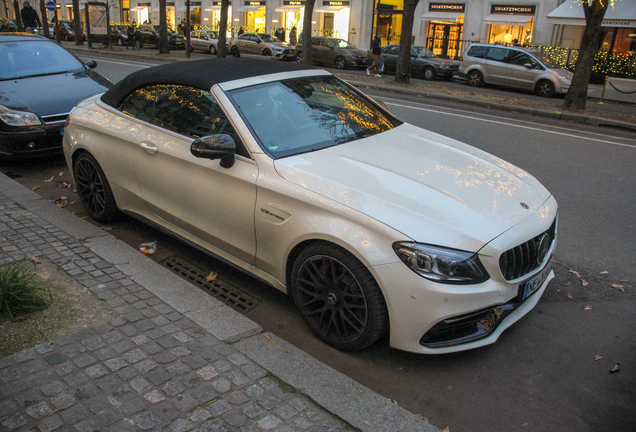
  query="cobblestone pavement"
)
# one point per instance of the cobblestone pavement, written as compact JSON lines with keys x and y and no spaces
{"x":149,"y":368}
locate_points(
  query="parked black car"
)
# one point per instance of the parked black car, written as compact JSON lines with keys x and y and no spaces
{"x":334,"y":52}
{"x":119,"y":34}
{"x":150,"y":36}
{"x":424,"y":63}
{"x":40,"y":83}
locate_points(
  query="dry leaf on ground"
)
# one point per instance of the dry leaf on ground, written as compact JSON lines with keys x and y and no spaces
{"x":604,"y":272}
{"x":616,"y":368}
{"x":597,"y":357}
{"x":35,"y":260}
{"x":587,"y":308}
{"x":618,"y":287}
{"x":106,"y":228}
{"x":567,"y":283}
{"x":570,"y":295}
{"x":64,"y":185}
{"x":575,"y":273}
{"x":584,"y":282}
{"x":49,"y":180}
{"x":211,"y":276}
{"x":446,"y":429}
{"x":624,"y":280}
{"x":35,"y":188}
{"x":60,"y":174}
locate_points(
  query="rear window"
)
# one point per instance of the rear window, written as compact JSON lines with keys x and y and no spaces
{"x":477,"y":51}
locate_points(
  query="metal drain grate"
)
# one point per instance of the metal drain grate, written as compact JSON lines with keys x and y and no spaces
{"x":222,"y":290}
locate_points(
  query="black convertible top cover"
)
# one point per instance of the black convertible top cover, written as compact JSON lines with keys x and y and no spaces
{"x":201,"y":74}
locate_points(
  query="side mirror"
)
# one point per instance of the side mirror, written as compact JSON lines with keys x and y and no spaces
{"x":212,"y":147}
{"x":91,"y":64}
{"x":529,"y":66}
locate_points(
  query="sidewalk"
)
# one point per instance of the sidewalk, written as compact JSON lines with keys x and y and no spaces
{"x":172,"y":358}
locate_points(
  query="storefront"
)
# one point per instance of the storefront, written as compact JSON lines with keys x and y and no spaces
{"x":387,"y":19}
{"x":510,"y":24}
{"x":142,"y":13}
{"x":292,"y":13}
{"x":334,"y":20}
{"x":195,"y":13}
{"x":213,"y":21}
{"x":445,"y":29}
{"x":254,"y":16}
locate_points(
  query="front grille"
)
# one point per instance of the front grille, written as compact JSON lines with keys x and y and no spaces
{"x":56,"y":118}
{"x":528,"y":256}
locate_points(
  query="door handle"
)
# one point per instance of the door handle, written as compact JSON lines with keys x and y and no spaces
{"x":149,"y":148}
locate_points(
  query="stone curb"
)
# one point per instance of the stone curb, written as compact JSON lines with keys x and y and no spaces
{"x":339,"y":395}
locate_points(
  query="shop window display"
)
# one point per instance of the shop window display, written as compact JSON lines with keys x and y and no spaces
{"x":508,"y":33}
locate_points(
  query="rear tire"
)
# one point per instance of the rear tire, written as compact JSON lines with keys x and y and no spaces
{"x":341,"y":62}
{"x":429,"y":73}
{"x":212,"y":50}
{"x":544,"y":88}
{"x":93,"y":189}
{"x":475,"y":79}
{"x":299,"y":57}
{"x":267,"y":53}
{"x":235,"y":52}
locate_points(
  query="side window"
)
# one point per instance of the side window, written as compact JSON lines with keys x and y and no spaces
{"x":315,"y":42}
{"x":325,"y":43}
{"x":498,"y":54}
{"x":203,"y":36}
{"x":478,"y":51}
{"x":519,"y":58}
{"x":184,"y":110}
{"x":395,"y":50}
{"x":195,"y":34}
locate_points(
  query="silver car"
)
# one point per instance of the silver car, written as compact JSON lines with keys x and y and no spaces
{"x":204,"y":40}
{"x":261,"y":44}
{"x":513,"y":66}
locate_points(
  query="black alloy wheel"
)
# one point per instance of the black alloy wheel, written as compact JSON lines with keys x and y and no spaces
{"x":338,"y":298}
{"x":341,"y":62}
{"x":267,"y":52}
{"x":544,"y":88}
{"x":212,"y":50}
{"x":235,"y":52}
{"x":475,"y":79}
{"x":299,"y":57}
{"x":429,"y":73}
{"x":93,"y":189}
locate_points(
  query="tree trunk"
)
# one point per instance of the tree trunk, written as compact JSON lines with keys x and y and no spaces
{"x":403,"y":68}
{"x":306,"y":42}
{"x":18,"y":17}
{"x":77,"y":23}
{"x":220,"y":46}
{"x":164,"y":45}
{"x":45,"y":21}
{"x":577,"y":94}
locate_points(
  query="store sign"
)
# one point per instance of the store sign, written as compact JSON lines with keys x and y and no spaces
{"x":255,"y":3}
{"x":335,"y":3}
{"x":218,"y":3}
{"x":294,"y":3}
{"x":617,"y":23}
{"x":512,"y":9}
{"x":170,"y":4}
{"x":144,"y":4}
{"x":195,"y":4}
{"x":445,"y":7}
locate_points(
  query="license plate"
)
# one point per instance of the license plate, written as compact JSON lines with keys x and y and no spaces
{"x":536,"y":282}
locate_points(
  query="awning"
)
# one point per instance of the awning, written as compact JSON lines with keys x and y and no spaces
{"x":508,"y":19}
{"x":217,"y":8}
{"x":138,"y":8}
{"x":623,"y":14}
{"x":250,"y":8}
{"x":330,"y":9}
{"x":450,"y":17}
{"x":290,"y":8}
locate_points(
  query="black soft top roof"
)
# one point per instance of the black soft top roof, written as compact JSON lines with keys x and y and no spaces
{"x":201,"y":74}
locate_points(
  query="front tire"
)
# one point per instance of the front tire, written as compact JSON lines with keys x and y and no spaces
{"x":212,"y":50}
{"x":475,"y":79}
{"x":429,"y":74}
{"x":93,"y":189}
{"x":235,"y":52}
{"x":338,"y":298}
{"x":267,"y":53}
{"x":341,"y":63}
{"x":544,"y":88}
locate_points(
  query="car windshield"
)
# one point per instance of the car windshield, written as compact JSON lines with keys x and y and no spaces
{"x":544,"y":60}
{"x":341,"y":43}
{"x":268,"y":37}
{"x":213,"y":35}
{"x":424,"y":52}
{"x":20,"y":59}
{"x":307,"y":114}
{"x":157,"y":28}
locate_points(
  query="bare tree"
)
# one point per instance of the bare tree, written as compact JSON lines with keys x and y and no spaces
{"x":18,"y":17}
{"x":577,"y":94}
{"x":306,"y":42}
{"x":77,"y":23}
{"x":403,"y":68}
{"x":164,"y":46}
{"x":220,"y":45}
{"x":45,"y":21}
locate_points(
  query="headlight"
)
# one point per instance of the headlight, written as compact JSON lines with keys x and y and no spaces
{"x":442,"y":265}
{"x":564,"y":79}
{"x":444,"y":66}
{"x":18,"y":118}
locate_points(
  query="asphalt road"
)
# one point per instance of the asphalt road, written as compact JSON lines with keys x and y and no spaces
{"x":542,"y":374}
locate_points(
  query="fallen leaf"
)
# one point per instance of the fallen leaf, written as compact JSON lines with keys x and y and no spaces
{"x":35,"y":260}
{"x":584,"y":282}
{"x":597,"y":357}
{"x":60,"y":201}
{"x":616,"y":368}
{"x":604,"y":272}
{"x":618,"y":287}
{"x":64,"y":185}
{"x":60,"y":174}
{"x":72,"y":202}
{"x":575,"y":273}
{"x":446,"y":429}
{"x":211,"y":276}
{"x":49,"y":180}
{"x":394,"y":401}
{"x":587,"y":308}
{"x":569,"y":295}
{"x":567,"y":283}
{"x":35,"y":188}
{"x":623,"y":280}
{"x":106,"y":228}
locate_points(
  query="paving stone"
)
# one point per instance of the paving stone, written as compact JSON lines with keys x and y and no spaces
{"x":191,"y":380}
{"x":267,"y":383}
{"x":253,"y":371}
{"x":45,"y":348}
{"x":158,"y":376}
{"x":254,"y":391}
{"x":268,"y":401}
{"x":178,"y":368}
{"x":108,"y":416}
{"x":222,"y":385}
{"x":216,"y":425}
{"x":129,"y":330}
{"x":140,"y":339}
{"x":167,"y":341}
{"x":7,"y":406}
{"x":184,"y":402}
{"x":127,"y":373}
{"x":116,"y":363}
{"x":173,"y":388}
{"x":181,"y":425}
{"x":63,"y":401}
{"x":113,"y":336}
{"x":35,"y":365}
{"x":87,"y":426}
{"x":286,"y":411}
{"x":134,"y":355}
{"x":235,"y":418}
{"x":74,"y":379}
{"x":13,"y":422}
{"x":65,"y":368}
{"x":123,"y":346}
{"x":87,"y":391}
{"x":207,"y":373}
{"x":50,"y":424}
{"x":97,"y":403}
{"x":239,"y":378}
{"x":237,"y":397}
{"x":39,"y":410}
{"x":164,"y":357}
{"x":238,"y":359}
{"x":180,"y":351}
{"x":134,"y":406}
{"x":146,"y":420}
{"x":54,"y":357}
{"x":84,"y":361}
{"x":97,"y":371}
{"x":167,"y":412}
{"x":222,"y":366}
{"x":152,"y":348}
{"x":154,"y":396}
{"x":299,"y":404}
{"x":269,"y":422}
{"x":104,"y":353}
{"x":200,"y":415}
{"x":145,"y":325}
{"x":146,"y":366}
{"x":108,"y":383}
{"x":52,"y":388}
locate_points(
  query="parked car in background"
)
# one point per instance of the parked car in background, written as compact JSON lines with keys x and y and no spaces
{"x":205,"y":40}
{"x":150,"y":36}
{"x":66,"y":31}
{"x":40,"y":83}
{"x":515,"y":67}
{"x":119,"y":34}
{"x":261,"y":44}
{"x":333,"y":52}
{"x":370,"y":224}
{"x":8,"y":25}
{"x":424,"y":63}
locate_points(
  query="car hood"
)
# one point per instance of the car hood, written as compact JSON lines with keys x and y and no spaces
{"x":564,"y":73}
{"x":430,"y":188}
{"x":277,"y":44}
{"x":354,"y":52}
{"x":51,"y":94}
{"x":438,"y":60}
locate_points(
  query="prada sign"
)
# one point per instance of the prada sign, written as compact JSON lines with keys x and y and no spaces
{"x":255,"y":3}
{"x":294,"y":2}
{"x":446,"y":7}
{"x":512,"y":9}
{"x":335,"y":3}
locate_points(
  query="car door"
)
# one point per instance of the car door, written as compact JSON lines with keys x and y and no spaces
{"x":195,"y":195}
{"x":519,"y":75}
{"x":195,"y":41}
{"x":389,"y":56}
{"x":252,"y":44}
{"x":496,"y":65}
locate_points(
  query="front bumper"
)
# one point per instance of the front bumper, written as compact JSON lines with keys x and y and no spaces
{"x":44,"y":142}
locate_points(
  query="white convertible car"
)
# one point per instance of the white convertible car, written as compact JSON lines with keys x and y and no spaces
{"x":371,"y":224}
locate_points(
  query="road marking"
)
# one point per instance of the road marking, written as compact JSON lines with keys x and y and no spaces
{"x":535,"y":126}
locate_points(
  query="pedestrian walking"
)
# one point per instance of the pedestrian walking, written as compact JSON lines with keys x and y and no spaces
{"x":241,"y":31}
{"x":376,"y":50}
{"x":293,"y":37}
{"x":30,"y":17}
